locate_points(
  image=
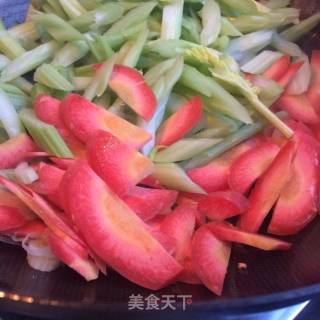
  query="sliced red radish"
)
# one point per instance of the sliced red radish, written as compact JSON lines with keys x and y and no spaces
{"x":130,"y":86}
{"x":34,"y":227}
{"x":84,"y":118}
{"x":222,"y":205}
{"x":114,"y":232}
{"x":228,"y":232}
{"x":268,"y":189}
{"x":290,"y":73}
{"x":118,"y":164}
{"x":250,"y":166}
{"x":180,"y":123}
{"x":278,"y":69}
{"x":63,"y":164}
{"x":76,"y":146}
{"x":210,"y":259}
{"x":11,"y":217}
{"x":313,"y":93}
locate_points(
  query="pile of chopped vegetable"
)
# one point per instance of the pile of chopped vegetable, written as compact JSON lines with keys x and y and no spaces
{"x":154,"y":135}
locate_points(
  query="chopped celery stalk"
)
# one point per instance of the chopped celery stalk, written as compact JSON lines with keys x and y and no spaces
{"x":154,"y":25}
{"x":175,"y":102}
{"x":101,"y":16}
{"x":285,"y":46}
{"x":48,"y":9}
{"x":84,"y":71}
{"x":295,"y":32}
{"x":133,"y":17}
{"x":9,"y":45}
{"x":70,"y":53}
{"x":228,"y":29}
{"x":105,"y":47}
{"x":23,"y":84}
{"x":28,"y":61}
{"x":81,"y":83}
{"x":19,"y":101}
{"x":221,"y":43}
{"x":99,"y":47}
{"x":25,"y":32}
{"x":124,"y":51}
{"x":4,"y":61}
{"x":218,"y":132}
{"x":99,"y":82}
{"x":195,"y":80}
{"x":261,"y":62}
{"x":59,"y":29}
{"x":211,"y":22}
{"x":72,"y":8}
{"x":170,"y":48}
{"x":39,"y":89}
{"x":90,"y":4}
{"x":103,"y":101}
{"x":229,"y":142}
{"x":49,"y":76}
{"x":173,"y":177}
{"x":184,"y":149}
{"x":9,"y":117}
{"x":277,"y":4}
{"x":45,"y":135}
{"x":193,"y":26}
{"x":153,"y":74}
{"x":250,"y":41}
{"x":58,"y":10}
{"x":246,"y":6}
{"x":172,"y":20}
{"x":25,"y":174}
{"x":133,"y":54}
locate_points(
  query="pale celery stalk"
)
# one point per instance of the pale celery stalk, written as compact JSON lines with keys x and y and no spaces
{"x":184,"y":149}
{"x":84,"y":71}
{"x":9,"y":117}
{"x":277,"y":4}
{"x":211,"y":22}
{"x":285,"y":46}
{"x":133,"y":17}
{"x":123,"y":51}
{"x":81,"y":83}
{"x":19,"y":101}
{"x":99,"y":47}
{"x":23,"y":84}
{"x":153,"y":74}
{"x":57,"y":27}
{"x":72,"y":8}
{"x":105,"y":47}
{"x":28,"y":61}
{"x":48,"y":9}
{"x":192,"y":26}
{"x":58,"y":10}
{"x":195,"y":80}
{"x":172,"y":20}
{"x":228,"y":29}
{"x":173,"y":177}
{"x":221,"y":43}
{"x":4,"y":61}
{"x":25,"y":32}
{"x":70,"y":53}
{"x":90,"y":4}
{"x":45,"y":135}
{"x":40,"y":89}
{"x":99,"y":82}
{"x":133,"y":54}
{"x":246,"y":6}
{"x":295,"y":32}
{"x":175,"y":102}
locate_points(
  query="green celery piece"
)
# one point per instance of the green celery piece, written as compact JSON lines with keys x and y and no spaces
{"x":221,"y":43}
{"x":228,"y":29}
{"x":23,"y":84}
{"x":295,"y":32}
{"x":246,"y":6}
{"x":153,"y":74}
{"x":81,"y":83}
{"x":104,"y":15}
{"x":90,"y":4}
{"x":40,"y":89}
{"x":84,"y":71}
{"x":99,"y":47}
{"x":57,"y":9}
{"x":195,"y":80}
{"x":99,"y":82}
{"x":173,"y":177}
{"x":28,"y":61}
{"x":148,"y":61}
{"x":277,"y":4}
{"x":45,"y":135}
{"x":25,"y":33}
{"x":4,"y":61}
{"x":132,"y":18}
{"x":154,"y":25}
{"x":59,"y":29}
{"x":105,"y":47}
{"x":72,"y":8}
{"x":172,"y":20}
{"x":49,"y":76}
{"x":19,"y":101}
{"x":192,"y":26}
{"x":174,"y":103}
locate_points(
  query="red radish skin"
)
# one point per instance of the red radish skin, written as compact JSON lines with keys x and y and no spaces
{"x":76,"y":146}
{"x":62,"y":164}
{"x":227,"y":232}
{"x":278,"y":69}
{"x":148,"y":203}
{"x":268,"y":189}
{"x":250,"y":166}
{"x":151,"y":182}
{"x":114,"y":232}
{"x":84,"y":118}
{"x":210,"y":259}
{"x":222,"y":205}
{"x":290,"y":73}
{"x":313,"y":93}
{"x":118,"y":164}
{"x":34,"y":227}
{"x":11,"y":217}
{"x":47,"y":109}
{"x":298,"y":202}
{"x":73,"y":255}
{"x":299,"y":108}
{"x":131,"y":87}
{"x":180,"y":123}
{"x":15,"y":150}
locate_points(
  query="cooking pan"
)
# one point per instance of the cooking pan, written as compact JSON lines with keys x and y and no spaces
{"x":271,"y":279}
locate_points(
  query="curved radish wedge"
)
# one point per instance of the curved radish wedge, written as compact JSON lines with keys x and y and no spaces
{"x":250,"y":166}
{"x":84,"y":118}
{"x":73,"y":255}
{"x":63,"y":164}
{"x":313,"y":93}
{"x":193,"y":199}
{"x":114,"y":232}
{"x":151,"y":182}
{"x":37,"y":154}
{"x":297,"y":205}
{"x":228,"y":232}
{"x":278,"y":69}
{"x":290,"y":73}
{"x":299,"y":108}
{"x":33,"y":227}
{"x":118,"y":164}
{"x":11,"y":217}
{"x":130,"y":86}
{"x":47,"y":109}
{"x":41,"y":208}
{"x":15,"y":150}
{"x":210,"y":259}
{"x":268,"y":188}
{"x":222,"y":205}
{"x":180,"y":123}
{"x":147,"y":203}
